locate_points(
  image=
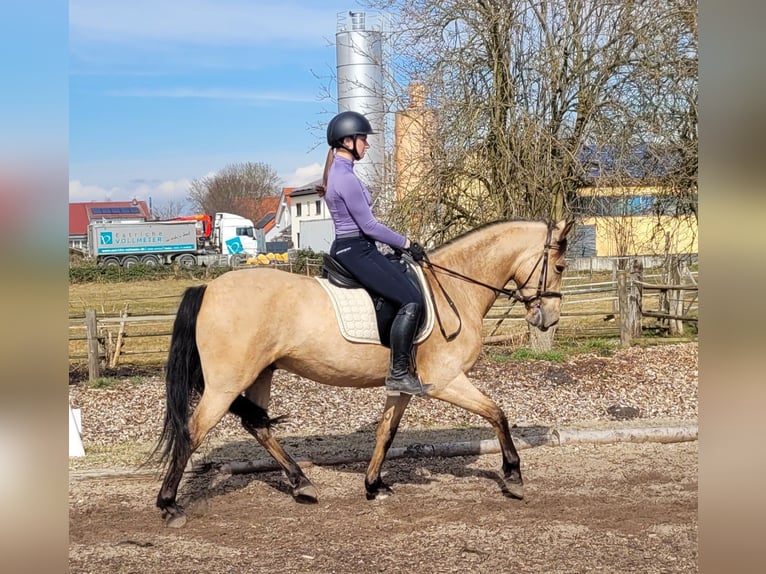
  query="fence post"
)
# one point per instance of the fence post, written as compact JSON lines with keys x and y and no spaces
{"x":675,"y":296}
{"x":629,"y":299}
{"x":91,"y":326}
{"x":120,"y":335}
{"x":622,"y":301}
{"x":636,"y":296}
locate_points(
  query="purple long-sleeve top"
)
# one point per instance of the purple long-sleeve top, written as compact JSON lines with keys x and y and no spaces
{"x":349,"y":203}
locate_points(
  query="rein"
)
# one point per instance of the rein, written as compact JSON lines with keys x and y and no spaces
{"x":513,"y":294}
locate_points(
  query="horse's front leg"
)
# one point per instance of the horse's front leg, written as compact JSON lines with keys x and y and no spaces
{"x":384,"y":436}
{"x":462,"y":393}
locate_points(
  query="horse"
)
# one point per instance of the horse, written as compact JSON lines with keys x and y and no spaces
{"x":224,"y":352}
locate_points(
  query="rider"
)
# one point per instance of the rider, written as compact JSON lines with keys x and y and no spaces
{"x":357,"y":230}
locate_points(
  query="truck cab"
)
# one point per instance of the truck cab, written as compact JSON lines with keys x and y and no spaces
{"x":235,"y":236}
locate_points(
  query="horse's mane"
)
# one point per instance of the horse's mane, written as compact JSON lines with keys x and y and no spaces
{"x":483,"y":227}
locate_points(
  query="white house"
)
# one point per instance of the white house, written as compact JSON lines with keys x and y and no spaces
{"x":311,"y":224}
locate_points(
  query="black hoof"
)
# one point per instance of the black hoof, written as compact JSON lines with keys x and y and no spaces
{"x":377,"y":491}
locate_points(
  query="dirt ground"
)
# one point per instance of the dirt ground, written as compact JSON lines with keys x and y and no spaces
{"x":621,"y":507}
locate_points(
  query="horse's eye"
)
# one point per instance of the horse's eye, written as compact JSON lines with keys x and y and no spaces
{"x":560,"y":268}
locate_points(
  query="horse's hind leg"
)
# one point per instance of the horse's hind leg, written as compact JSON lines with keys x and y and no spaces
{"x":462,"y":393}
{"x":207,"y":414}
{"x":252,"y":410}
{"x":384,"y":437}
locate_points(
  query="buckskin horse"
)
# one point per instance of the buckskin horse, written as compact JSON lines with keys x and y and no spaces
{"x":233,"y":373}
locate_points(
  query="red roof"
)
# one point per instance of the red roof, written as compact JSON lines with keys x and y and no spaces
{"x":81,"y":214}
{"x":268,"y":205}
{"x":255,"y":208}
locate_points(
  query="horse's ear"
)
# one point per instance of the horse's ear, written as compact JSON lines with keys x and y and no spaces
{"x":565,"y":226}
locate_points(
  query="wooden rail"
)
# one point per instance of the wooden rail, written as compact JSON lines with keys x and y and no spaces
{"x":667,"y":287}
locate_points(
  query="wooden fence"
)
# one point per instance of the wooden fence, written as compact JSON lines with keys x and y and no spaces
{"x":675,"y":305}
{"x":617,"y":307}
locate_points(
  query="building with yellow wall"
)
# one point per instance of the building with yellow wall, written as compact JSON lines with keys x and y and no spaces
{"x":613,"y":221}
{"x":632,"y":220}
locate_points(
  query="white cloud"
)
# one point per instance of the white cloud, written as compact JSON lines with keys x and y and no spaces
{"x":158,"y":192}
{"x":80,"y":192}
{"x":303,"y":175}
{"x":163,"y":191}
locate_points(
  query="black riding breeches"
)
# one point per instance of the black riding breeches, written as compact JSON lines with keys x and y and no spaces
{"x":375,"y":271}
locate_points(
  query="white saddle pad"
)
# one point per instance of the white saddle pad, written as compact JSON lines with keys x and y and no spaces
{"x":356,"y":313}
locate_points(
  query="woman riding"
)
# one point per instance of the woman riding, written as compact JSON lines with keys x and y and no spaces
{"x":357,"y":230}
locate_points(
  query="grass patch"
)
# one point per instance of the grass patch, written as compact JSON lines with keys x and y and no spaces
{"x":156,"y":297}
{"x":528,"y":355}
{"x":600,"y":347}
{"x":565,"y":347}
{"x":103,"y":382}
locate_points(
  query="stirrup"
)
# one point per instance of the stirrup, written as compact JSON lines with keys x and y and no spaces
{"x":408,"y":385}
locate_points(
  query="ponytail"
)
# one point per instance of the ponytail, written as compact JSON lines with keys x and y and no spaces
{"x":321,"y":189}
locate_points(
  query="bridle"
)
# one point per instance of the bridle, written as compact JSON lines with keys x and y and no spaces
{"x":542,"y":283}
{"x":515,"y":295}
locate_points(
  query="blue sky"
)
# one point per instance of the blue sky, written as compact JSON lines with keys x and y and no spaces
{"x":162,"y":92}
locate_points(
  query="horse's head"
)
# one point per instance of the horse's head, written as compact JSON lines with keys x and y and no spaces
{"x":540,"y":279}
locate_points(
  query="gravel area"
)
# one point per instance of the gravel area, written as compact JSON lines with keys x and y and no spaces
{"x":652,"y":384}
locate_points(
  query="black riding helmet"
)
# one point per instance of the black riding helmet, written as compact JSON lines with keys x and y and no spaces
{"x":347,"y":124}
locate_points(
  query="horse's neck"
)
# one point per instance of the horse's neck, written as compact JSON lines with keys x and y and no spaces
{"x":492,"y":256}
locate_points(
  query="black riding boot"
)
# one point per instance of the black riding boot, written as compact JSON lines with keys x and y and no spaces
{"x":403,"y":331}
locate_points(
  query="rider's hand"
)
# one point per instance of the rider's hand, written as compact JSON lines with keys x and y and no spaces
{"x":417,"y":252}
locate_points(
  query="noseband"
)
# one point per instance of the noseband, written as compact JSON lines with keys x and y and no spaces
{"x":514,"y":294}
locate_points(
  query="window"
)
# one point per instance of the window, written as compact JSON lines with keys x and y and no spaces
{"x":242,"y":231}
{"x":318,"y":204}
{"x":615,"y":206}
{"x":298,"y":209}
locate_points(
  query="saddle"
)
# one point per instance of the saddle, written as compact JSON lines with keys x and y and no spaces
{"x":364,"y":317}
{"x":337,"y":275}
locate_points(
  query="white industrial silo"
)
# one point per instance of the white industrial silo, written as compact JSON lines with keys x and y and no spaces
{"x":360,"y":51}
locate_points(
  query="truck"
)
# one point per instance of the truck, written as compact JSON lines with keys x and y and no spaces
{"x":224,"y":239}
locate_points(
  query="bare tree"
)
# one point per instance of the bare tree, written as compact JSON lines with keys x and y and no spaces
{"x":523,"y":89}
{"x":170,"y":209}
{"x":235,"y":189}
{"x":643,"y":155}
{"x":525,"y":92}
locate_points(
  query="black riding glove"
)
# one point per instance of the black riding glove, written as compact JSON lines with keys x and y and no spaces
{"x":417,"y":252}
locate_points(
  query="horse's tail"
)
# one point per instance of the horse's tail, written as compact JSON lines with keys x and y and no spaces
{"x":183,"y":378}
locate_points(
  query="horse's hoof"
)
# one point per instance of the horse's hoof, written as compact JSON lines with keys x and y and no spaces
{"x":379,"y":492}
{"x":176,"y":521}
{"x":174,"y":518}
{"x":173,"y":515}
{"x":306,"y":494}
{"x":514,"y":490}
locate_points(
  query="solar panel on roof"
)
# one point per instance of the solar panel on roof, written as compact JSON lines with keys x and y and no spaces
{"x":114,"y":210}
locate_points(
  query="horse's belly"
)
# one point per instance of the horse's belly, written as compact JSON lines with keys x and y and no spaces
{"x":356,"y":368}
